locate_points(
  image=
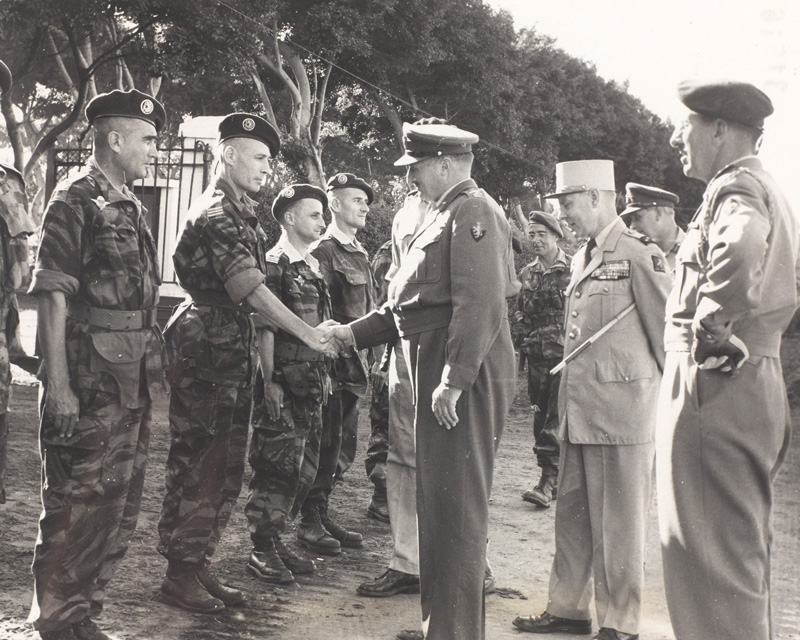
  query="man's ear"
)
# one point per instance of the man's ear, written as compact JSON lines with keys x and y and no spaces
{"x":115,"y":141}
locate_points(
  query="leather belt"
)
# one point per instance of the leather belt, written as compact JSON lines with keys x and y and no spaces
{"x":296,"y":352}
{"x":112,"y":319}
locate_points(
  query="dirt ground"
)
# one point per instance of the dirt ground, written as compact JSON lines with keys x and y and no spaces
{"x":325,"y":605}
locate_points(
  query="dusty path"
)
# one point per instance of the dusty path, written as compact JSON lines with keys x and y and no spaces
{"x":325,"y":606}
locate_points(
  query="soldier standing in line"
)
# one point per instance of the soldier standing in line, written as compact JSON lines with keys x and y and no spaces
{"x":290,"y":389}
{"x":378,"y":446}
{"x":96,"y":280}
{"x":15,"y":227}
{"x":219,"y":260}
{"x":541,"y":313}
{"x":345,"y":266}
{"x":651,"y":211}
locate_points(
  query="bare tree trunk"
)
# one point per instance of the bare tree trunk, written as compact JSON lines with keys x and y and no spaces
{"x":391,"y":114}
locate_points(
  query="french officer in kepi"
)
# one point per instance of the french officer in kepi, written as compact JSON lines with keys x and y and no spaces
{"x":651,"y":212}
{"x":606,"y":409}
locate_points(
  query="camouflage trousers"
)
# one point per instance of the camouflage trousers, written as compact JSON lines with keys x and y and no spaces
{"x":5,"y":386}
{"x":208,"y":428}
{"x":337,"y":444}
{"x":284,"y":456}
{"x":543,"y":393}
{"x":90,"y":497}
{"x":378,"y":446}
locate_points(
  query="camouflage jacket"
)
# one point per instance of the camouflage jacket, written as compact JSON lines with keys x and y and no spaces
{"x":15,"y":227}
{"x":96,"y":248}
{"x":541,"y":301}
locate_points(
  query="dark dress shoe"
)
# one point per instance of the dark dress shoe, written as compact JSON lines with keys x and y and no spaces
{"x":410,"y":635}
{"x":607,"y":633}
{"x":208,"y":578}
{"x":378,"y":510}
{"x":389,"y":583}
{"x":268,"y":566}
{"x":545,"y":623}
{"x":86,"y":629}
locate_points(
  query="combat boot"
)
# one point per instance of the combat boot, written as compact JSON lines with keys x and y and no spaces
{"x":379,"y":507}
{"x":542,"y":493}
{"x":86,"y":629}
{"x":208,"y":578}
{"x":267,"y":565}
{"x":312,"y":535}
{"x":182,"y":588}
{"x":296,"y":564}
{"x":350,"y":539}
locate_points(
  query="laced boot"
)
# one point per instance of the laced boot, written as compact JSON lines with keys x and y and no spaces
{"x":267,"y":565}
{"x":350,"y":539}
{"x":296,"y":564}
{"x":208,"y":578}
{"x":312,"y":535}
{"x":542,"y":493}
{"x":182,"y":588}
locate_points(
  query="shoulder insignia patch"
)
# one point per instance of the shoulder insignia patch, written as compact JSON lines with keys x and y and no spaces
{"x":474,"y":193}
{"x":658,"y":264}
{"x":612,"y":270}
{"x":215,"y":211}
{"x":478,"y":231}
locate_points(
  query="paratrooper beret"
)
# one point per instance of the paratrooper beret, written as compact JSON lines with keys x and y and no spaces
{"x":293,"y":193}
{"x":639,"y":196}
{"x":348,"y":181}
{"x":546,"y":219}
{"x":248,"y":125}
{"x":126,"y":104}
{"x":740,"y":102}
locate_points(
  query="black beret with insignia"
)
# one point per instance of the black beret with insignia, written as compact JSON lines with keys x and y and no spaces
{"x":248,"y":125}
{"x":293,"y":193}
{"x":422,"y":141}
{"x":348,"y":181}
{"x":5,"y":78}
{"x":126,"y":104}
{"x":739,"y":102}
{"x":546,"y":219}
{"x":640,"y":196}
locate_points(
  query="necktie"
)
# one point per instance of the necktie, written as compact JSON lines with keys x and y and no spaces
{"x":590,"y":247}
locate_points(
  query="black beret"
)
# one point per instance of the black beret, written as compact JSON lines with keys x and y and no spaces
{"x":126,"y":104}
{"x":546,"y":219}
{"x":295,"y":192}
{"x":5,"y":77}
{"x":639,"y":196}
{"x":422,"y":141}
{"x":347,"y":181}
{"x":736,"y":101}
{"x":249,"y":125}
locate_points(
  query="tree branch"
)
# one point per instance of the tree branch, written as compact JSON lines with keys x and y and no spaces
{"x":391,"y":114}
{"x":322,"y":88}
{"x":262,"y":94}
{"x":62,"y":69}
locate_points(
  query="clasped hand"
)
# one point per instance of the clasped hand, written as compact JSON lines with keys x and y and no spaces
{"x":338,"y":336}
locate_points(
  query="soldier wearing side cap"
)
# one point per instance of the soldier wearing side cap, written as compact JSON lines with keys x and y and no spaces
{"x":540,"y":310}
{"x":448,"y":302}
{"x":606,"y":408}
{"x":344,"y":264}
{"x":651,"y":212}
{"x":723,"y":413}
{"x":211,"y":341}
{"x":96,"y":281}
{"x":291,"y":386}
{"x":15,"y":227}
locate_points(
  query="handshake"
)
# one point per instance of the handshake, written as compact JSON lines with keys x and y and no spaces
{"x":331,"y":338}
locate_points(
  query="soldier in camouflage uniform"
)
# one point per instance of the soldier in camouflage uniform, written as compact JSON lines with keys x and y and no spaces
{"x":96,"y":280}
{"x":378,"y":447}
{"x":345,"y":266}
{"x":290,"y":388}
{"x":541,"y":312}
{"x":211,"y":343}
{"x":15,"y":227}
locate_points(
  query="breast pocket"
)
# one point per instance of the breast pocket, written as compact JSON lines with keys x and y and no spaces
{"x":116,"y":243}
{"x":688,"y":269}
{"x":353,"y":299}
{"x":425,"y":258}
{"x":606,"y":299}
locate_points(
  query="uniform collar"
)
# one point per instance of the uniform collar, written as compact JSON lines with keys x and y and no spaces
{"x":560,"y":261}
{"x":678,"y":240}
{"x":605,"y":232}
{"x":244,"y":207}
{"x":342,"y":238}
{"x":448,"y":196}
{"x":291,"y":252}
{"x":748,"y":161}
{"x":107,"y":190}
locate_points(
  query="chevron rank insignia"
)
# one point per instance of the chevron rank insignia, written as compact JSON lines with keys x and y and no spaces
{"x":658,"y":264}
{"x":478,"y":231}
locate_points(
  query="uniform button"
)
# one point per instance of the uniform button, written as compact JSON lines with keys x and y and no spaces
{"x":605,"y":289}
{"x":574,"y":314}
{"x":572,"y":335}
{"x":119,"y":355}
{"x":626,"y":378}
{"x":577,"y":294}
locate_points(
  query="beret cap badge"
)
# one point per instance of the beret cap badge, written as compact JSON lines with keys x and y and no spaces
{"x":147,"y":107}
{"x":288,"y":192}
{"x":342,"y":178}
{"x":248,"y":124}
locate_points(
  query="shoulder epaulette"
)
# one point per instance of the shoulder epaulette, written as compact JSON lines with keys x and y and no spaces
{"x":274,"y":255}
{"x":216,"y":210}
{"x":639,"y":236}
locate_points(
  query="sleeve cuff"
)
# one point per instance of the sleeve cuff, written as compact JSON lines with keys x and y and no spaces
{"x":48,"y":280}
{"x":243,"y":284}
{"x":458,"y":376}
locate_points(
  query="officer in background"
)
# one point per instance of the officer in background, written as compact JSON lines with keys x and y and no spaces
{"x":219,"y":260}
{"x":345,"y":266}
{"x":651,"y":212}
{"x":378,"y":445}
{"x":540,"y":310}
{"x":723,"y":414}
{"x":291,"y":385}
{"x":96,"y":281}
{"x":448,"y":301}
{"x":15,"y":227}
{"x":606,"y":407}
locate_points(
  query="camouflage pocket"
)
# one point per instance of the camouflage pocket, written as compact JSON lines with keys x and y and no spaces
{"x":297,"y":377}
{"x":119,"y":355}
{"x":223,"y":357}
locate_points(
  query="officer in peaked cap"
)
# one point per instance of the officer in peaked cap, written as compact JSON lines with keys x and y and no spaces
{"x":248,"y":125}
{"x":126,"y":104}
{"x":296,"y":192}
{"x":723,"y":437}
{"x":350,"y":181}
{"x":422,"y":140}
{"x":651,"y":211}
